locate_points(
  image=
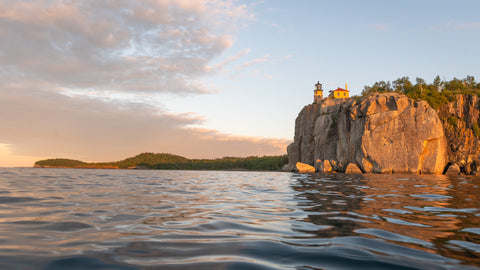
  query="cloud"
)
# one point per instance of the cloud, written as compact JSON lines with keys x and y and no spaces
{"x":274,"y":25}
{"x":116,"y":45}
{"x":467,"y":26}
{"x":376,"y":26}
{"x":265,"y":58}
{"x":233,"y":58}
{"x":456,"y":26}
{"x":7,"y":159}
{"x":246,"y":68}
{"x":278,"y":28}
{"x":84,"y":79}
{"x":47,"y":124}
{"x":271,"y":77}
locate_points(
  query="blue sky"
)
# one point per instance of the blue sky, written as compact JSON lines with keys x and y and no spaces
{"x":335,"y":42}
{"x":99,"y":80}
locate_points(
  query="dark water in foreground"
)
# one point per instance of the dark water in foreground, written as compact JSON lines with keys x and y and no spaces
{"x":123,"y":219}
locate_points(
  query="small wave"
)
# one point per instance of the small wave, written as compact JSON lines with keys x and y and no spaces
{"x":30,"y":222}
{"x":66,"y":226}
{"x":4,"y":200}
{"x":442,"y":209}
{"x":472,"y":230}
{"x":394,"y":236}
{"x":83,"y":262}
{"x":432,"y":196}
{"x":403,"y":222}
{"x":467,"y":245}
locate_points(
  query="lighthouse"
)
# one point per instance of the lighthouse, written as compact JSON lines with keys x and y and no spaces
{"x":318,"y":92}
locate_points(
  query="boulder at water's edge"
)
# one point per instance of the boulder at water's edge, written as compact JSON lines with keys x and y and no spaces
{"x":304,"y":168}
{"x":352,"y":168}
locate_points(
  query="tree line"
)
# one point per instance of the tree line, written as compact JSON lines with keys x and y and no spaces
{"x":437,"y":93}
{"x":166,"y":161}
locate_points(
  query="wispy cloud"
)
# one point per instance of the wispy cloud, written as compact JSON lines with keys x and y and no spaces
{"x":456,"y":26}
{"x":233,"y":58}
{"x":265,"y":58}
{"x":271,"y":77}
{"x":467,"y":26}
{"x":278,"y":28}
{"x":249,"y":67}
{"x":274,"y":25}
{"x":376,"y":26}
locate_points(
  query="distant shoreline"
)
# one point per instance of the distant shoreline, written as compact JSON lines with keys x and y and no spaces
{"x":149,"y":169}
{"x":165,"y":161}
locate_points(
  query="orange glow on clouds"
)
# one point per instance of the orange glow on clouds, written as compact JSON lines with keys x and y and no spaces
{"x":9,"y":159}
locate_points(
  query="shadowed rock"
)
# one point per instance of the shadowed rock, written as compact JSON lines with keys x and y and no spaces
{"x":453,"y":170}
{"x":461,"y":120}
{"x":323,"y":166}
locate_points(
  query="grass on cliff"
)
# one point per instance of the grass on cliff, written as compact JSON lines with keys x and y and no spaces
{"x":437,"y":93}
{"x":173,"y":162}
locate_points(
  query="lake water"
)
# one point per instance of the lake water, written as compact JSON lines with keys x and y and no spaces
{"x":129,"y":219}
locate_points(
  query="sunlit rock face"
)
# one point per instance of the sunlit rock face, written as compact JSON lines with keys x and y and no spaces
{"x":381,"y":133}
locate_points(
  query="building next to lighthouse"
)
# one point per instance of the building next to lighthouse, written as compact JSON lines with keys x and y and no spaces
{"x":340,"y":92}
{"x":337,"y":93}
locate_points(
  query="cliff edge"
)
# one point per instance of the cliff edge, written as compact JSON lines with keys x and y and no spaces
{"x":381,"y":133}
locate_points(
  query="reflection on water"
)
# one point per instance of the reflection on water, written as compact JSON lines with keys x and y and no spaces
{"x":123,"y":219}
{"x":437,"y":214}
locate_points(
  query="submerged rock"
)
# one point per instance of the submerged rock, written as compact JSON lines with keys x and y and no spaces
{"x":382,"y":133}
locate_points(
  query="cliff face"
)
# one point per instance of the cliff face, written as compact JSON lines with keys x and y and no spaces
{"x":382,"y":133}
{"x":460,"y":120}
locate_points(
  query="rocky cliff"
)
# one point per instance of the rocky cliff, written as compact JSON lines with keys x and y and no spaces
{"x":460,"y":120}
{"x":382,"y":133}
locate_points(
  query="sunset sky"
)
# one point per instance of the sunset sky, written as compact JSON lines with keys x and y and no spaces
{"x":105,"y":80}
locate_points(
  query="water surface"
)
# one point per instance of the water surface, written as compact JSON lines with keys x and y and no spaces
{"x":128,"y":219}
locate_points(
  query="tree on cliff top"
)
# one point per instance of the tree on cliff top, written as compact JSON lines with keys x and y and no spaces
{"x":436,"y":94}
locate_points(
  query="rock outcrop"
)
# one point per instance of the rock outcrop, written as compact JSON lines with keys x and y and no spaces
{"x":323,"y":166}
{"x":381,"y":133}
{"x":460,"y":120}
{"x":352,"y":168}
{"x":304,"y":168}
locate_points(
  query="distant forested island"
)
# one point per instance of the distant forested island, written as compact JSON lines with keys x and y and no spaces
{"x":165,"y":161}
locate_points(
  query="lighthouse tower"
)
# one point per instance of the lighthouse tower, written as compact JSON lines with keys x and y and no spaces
{"x":318,"y":92}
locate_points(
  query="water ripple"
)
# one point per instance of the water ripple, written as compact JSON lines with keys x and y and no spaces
{"x":126,"y":219}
